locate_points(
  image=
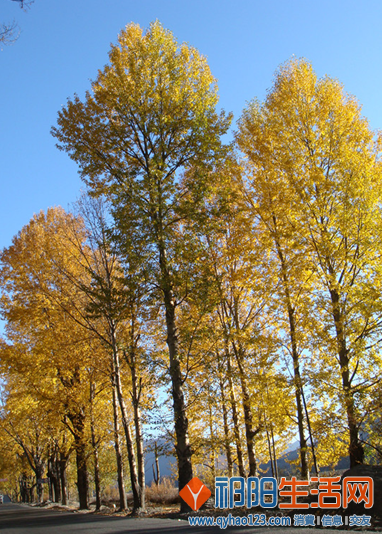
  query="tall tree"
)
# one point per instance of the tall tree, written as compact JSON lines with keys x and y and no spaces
{"x":310,"y":140}
{"x":43,"y":325}
{"x":268,"y":203}
{"x":113,"y":314}
{"x":151,"y":114}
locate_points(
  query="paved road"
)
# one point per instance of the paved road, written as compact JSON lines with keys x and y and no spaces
{"x":22,"y":519}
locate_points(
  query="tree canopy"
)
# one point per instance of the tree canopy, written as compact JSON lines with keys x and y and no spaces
{"x":236,"y":286}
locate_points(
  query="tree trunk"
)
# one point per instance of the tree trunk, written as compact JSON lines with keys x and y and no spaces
{"x":135,"y":396}
{"x":125,"y":422}
{"x":121,"y":485}
{"x":63,"y":462}
{"x":250,"y":432}
{"x":95,"y":449}
{"x":274,"y":453}
{"x":270,"y":452}
{"x":53,"y":474}
{"x":356,"y":451}
{"x":183,"y":449}
{"x":39,"y":474}
{"x":298,"y":394}
{"x":51,"y":490}
{"x":313,"y":449}
{"x":139,"y":445}
{"x":295,"y":357}
{"x":82,"y":474}
{"x":182,"y":446}
{"x":227,"y":441}
{"x":57,"y":486}
{"x":212,"y":435}
{"x":78,"y":421}
{"x":235,"y":417}
{"x":157,"y":471}
{"x":23,"y":488}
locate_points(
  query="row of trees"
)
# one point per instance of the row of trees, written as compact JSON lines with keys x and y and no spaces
{"x":256,"y":263}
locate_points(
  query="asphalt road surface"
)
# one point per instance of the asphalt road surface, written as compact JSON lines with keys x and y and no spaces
{"x":22,"y":519}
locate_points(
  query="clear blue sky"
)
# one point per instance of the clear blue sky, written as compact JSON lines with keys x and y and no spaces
{"x":64,"y":42}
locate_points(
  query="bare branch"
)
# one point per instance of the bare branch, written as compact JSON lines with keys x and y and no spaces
{"x":9,"y":33}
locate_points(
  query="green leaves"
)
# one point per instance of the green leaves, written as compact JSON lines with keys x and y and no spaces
{"x":151,"y":112}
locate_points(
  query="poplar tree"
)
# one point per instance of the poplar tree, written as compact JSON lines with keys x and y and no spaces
{"x":150,"y":115}
{"x":311,"y":150}
{"x":48,"y":346}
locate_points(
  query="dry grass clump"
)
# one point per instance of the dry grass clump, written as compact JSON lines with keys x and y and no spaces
{"x":110,"y":494}
{"x":164,"y":493}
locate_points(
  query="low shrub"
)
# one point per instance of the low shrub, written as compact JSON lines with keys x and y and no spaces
{"x":165,"y":493}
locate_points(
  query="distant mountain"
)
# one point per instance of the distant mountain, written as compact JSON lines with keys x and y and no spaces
{"x":285,"y":468}
{"x":167,"y":462}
